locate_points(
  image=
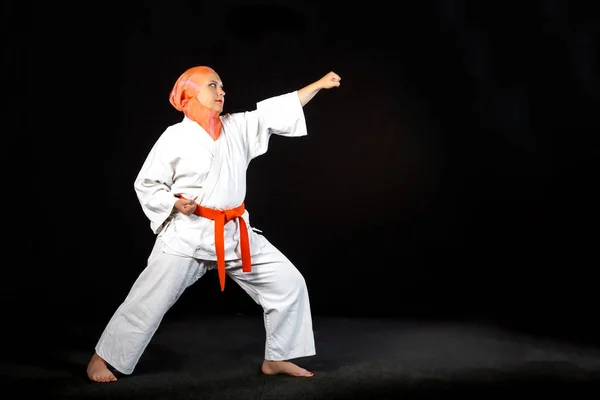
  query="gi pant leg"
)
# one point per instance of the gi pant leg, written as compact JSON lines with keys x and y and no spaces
{"x":277,"y":286}
{"x":133,"y":324}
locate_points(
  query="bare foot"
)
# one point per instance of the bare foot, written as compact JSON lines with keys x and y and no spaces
{"x":98,"y":371}
{"x":284,"y":367}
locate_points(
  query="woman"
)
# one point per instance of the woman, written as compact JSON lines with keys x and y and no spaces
{"x":192,"y":187}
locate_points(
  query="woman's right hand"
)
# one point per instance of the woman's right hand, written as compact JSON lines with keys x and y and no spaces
{"x":185,"y":206}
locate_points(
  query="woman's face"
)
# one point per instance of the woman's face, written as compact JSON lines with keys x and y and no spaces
{"x":211,"y":94}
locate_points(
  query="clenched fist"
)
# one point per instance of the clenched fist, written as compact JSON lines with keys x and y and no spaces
{"x":330,"y":80}
{"x":185,"y":206}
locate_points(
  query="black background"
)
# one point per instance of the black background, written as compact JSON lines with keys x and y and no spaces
{"x":451,"y":175}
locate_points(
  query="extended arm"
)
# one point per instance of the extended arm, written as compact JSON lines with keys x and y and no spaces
{"x":327,"y":82}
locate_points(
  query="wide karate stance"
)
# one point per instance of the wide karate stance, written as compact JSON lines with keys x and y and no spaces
{"x":192,"y":187}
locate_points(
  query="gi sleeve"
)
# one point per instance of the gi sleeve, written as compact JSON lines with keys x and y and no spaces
{"x":153,"y":185}
{"x":280,"y":115}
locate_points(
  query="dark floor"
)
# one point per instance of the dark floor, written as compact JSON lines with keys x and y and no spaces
{"x":358,"y":358}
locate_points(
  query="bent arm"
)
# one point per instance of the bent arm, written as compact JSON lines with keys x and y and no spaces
{"x":153,"y":187}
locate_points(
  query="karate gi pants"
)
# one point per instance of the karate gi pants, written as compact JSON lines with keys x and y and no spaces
{"x":274,"y":283}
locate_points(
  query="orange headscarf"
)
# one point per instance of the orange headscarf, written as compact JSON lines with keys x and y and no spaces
{"x":183,"y":98}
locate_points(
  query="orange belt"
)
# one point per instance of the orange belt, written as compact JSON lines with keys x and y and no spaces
{"x":221,"y":218}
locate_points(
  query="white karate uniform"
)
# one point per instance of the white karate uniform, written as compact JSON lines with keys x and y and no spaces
{"x":186,"y":161}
